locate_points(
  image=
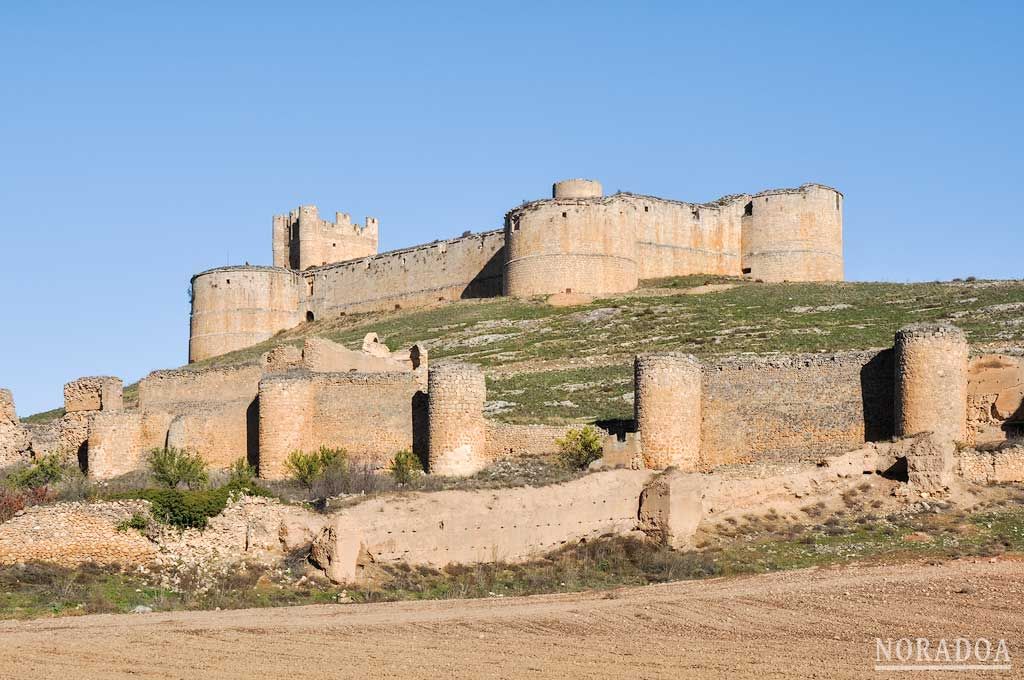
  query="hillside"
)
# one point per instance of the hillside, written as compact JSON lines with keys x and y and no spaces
{"x":574,"y":364}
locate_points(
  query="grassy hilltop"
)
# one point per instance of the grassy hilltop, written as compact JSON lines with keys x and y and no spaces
{"x":574,"y":364}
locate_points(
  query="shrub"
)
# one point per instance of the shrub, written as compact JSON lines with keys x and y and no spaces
{"x":137,"y":521}
{"x":333,"y":479}
{"x":406,"y":467}
{"x":13,"y":501}
{"x":45,"y":470}
{"x":580,"y":447}
{"x":192,"y":508}
{"x":172,"y":467}
{"x":307,"y":468}
{"x":241,"y":473}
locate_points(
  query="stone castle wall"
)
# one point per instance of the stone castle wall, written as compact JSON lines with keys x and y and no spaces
{"x":577,"y":241}
{"x":235,"y":307}
{"x":794,"y":235}
{"x":466,"y":267}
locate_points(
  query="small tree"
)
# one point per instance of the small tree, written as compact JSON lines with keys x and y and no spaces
{"x":406,"y":467}
{"x":580,"y":447}
{"x":307,"y":468}
{"x":45,"y":470}
{"x":172,"y":467}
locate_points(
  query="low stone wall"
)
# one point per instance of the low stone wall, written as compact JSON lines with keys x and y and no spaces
{"x":993,"y":467}
{"x":795,"y":406}
{"x":167,"y":389}
{"x":220,"y":432}
{"x":522,"y":441}
{"x":95,"y":393}
{"x":72,"y":533}
{"x":448,"y":527}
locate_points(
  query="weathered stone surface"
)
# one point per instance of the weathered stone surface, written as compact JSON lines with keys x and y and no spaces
{"x":671,"y":508}
{"x":94,"y":393}
{"x":473,"y":526}
{"x":14,"y":438}
{"x":931,"y":461}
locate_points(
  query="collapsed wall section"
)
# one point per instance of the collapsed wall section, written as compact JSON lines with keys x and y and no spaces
{"x":14,"y":437}
{"x":235,"y":307}
{"x":457,"y":269}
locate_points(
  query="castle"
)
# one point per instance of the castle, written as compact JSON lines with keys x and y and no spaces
{"x":578,"y":241}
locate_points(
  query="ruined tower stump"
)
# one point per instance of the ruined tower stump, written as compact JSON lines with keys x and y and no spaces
{"x":668,"y":409}
{"x":931,"y":381}
{"x":457,"y":430}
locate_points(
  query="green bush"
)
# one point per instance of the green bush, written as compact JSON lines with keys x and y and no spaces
{"x":406,"y":467}
{"x":136,"y":521}
{"x":172,"y":467}
{"x":580,"y":447}
{"x":307,"y":468}
{"x":45,"y":470}
{"x":191,"y":509}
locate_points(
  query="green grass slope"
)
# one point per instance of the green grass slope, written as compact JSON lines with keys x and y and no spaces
{"x":573,"y":364}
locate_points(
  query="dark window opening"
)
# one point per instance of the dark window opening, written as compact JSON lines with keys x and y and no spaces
{"x":565,"y":214}
{"x":746,"y":270}
{"x":748,"y":209}
{"x":334,"y":245}
{"x":837,"y":201}
{"x":229,"y":280}
{"x":309,"y":317}
{"x":310,"y":282}
{"x":568,"y":290}
{"x":397,"y":307}
{"x":646,"y":209}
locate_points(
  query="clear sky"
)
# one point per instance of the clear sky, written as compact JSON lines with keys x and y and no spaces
{"x":144,"y":143}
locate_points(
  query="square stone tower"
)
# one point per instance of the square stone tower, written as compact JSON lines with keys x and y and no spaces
{"x":303,"y":240}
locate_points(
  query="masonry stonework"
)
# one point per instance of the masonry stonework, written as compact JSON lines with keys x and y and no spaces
{"x":578,"y":241}
{"x":457,"y":429}
{"x":931,"y":381}
{"x":668,"y":409}
{"x":96,"y":393}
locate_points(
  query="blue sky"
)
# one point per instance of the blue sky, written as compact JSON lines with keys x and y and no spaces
{"x":144,"y":143}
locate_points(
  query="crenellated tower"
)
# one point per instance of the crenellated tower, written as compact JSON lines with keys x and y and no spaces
{"x":303,"y":240}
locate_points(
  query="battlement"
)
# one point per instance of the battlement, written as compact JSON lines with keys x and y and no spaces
{"x":301,"y":239}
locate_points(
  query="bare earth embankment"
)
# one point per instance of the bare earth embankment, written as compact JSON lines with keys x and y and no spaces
{"x":818,"y":623}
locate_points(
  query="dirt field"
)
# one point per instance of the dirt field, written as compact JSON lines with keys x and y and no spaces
{"x":814,"y":623}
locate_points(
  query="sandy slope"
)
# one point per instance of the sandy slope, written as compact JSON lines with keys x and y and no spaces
{"x":815,"y":623}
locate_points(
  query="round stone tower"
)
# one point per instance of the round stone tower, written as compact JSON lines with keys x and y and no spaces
{"x":577,"y":188}
{"x":576,"y":242}
{"x":931,"y":381}
{"x":794,"y":235}
{"x":235,"y":307}
{"x":457,"y":431}
{"x":667,"y":406}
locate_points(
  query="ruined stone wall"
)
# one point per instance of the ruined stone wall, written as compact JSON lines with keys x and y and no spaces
{"x":69,"y":534}
{"x":995,"y":398}
{"x":461,"y":268}
{"x":449,"y":527}
{"x":171,"y":389}
{"x":505,"y":440}
{"x":794,"y":235}
{"x":457,"y":438}
{"x":372,"y":416}
{"x":235,"y":307}
{"x":796,"y":407}
{"x":94,"y":393}
{"x":302,"y":240}
{"x":931,"y":381}
{"x":992,"y":467}
{"x":14,"y":437}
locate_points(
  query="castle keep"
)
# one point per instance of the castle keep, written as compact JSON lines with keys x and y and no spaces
{"x":579,"y":241}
